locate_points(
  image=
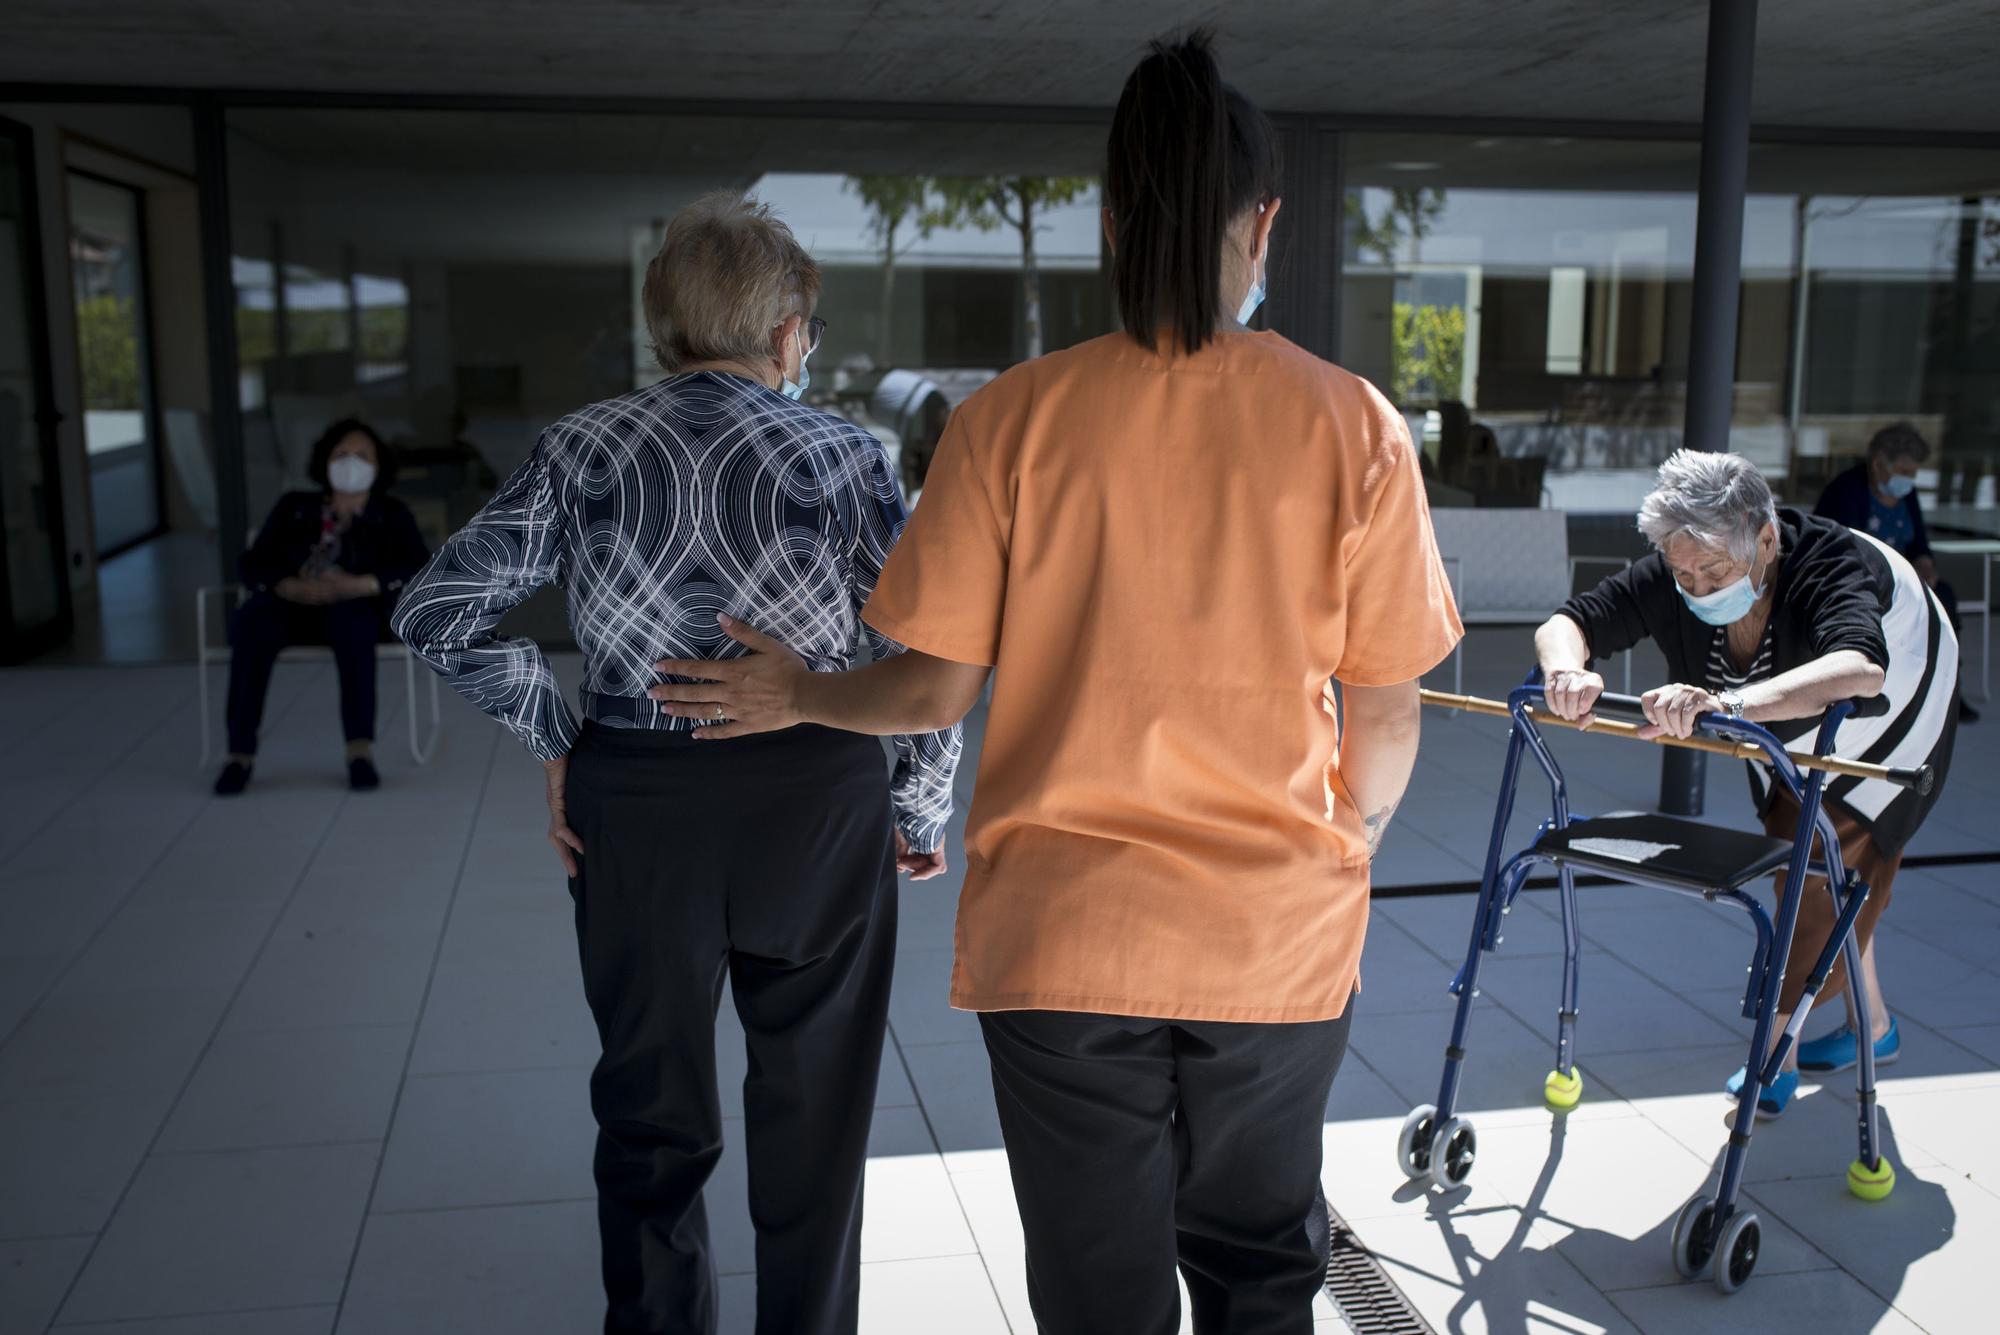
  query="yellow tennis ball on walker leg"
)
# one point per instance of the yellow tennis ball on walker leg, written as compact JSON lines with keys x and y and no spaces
{"x":1871,"y":1184}
{"x":1562,"y":1092}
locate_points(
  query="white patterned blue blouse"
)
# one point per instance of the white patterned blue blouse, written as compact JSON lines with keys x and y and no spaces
{"x":704,"y":493}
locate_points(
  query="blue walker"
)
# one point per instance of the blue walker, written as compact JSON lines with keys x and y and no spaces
{"x":1700,"y":861}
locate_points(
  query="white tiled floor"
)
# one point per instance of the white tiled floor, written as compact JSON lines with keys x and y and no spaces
{"x":312,"y":1062}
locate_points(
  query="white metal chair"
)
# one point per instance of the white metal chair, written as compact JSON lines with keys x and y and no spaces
{"x":423,"y":741}
{"x":1520,"y":571}
{"x":1617,"y":563}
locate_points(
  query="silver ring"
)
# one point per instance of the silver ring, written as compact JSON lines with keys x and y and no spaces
{"x":718,"y":712}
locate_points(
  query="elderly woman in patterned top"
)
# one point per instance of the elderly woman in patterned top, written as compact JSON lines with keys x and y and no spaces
{"x":768,"y":861}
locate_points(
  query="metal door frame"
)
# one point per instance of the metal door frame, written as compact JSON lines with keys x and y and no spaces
{"x":148,"y":382}
{"x":15,"y":644}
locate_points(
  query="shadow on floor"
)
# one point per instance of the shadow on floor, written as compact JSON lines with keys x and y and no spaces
{"x":1914,"y":1222}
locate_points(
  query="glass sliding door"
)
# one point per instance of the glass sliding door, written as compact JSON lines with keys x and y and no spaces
{"x":1901,"y":300}
{"x":1525,"y":302}
{"x":108,"y":280}
{"x":34,"y":584}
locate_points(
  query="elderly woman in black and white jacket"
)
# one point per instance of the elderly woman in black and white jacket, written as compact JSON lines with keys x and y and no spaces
{"x":1772,"y":614}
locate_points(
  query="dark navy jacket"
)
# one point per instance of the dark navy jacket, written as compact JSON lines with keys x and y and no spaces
{"x":1845,"y":501}
{"x":382,"y":541}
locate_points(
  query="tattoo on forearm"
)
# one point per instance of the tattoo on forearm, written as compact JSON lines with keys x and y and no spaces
{"x":1377,"y":825}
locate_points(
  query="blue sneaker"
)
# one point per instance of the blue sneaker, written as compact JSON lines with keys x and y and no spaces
{"x":1837,"y":1051}
{"x":1774,"y":1099}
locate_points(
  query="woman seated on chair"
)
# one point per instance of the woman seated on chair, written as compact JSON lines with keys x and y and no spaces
{"x":325,"y":569}
{"x":1771,"y":614}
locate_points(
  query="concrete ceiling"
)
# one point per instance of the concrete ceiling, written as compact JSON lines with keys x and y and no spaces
{"x":1907,"y":64}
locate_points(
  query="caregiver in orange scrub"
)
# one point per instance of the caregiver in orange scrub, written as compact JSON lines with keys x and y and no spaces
{"x":1163,"y":544}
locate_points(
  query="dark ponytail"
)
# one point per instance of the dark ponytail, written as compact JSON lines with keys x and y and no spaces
{"x":1188,"y":154}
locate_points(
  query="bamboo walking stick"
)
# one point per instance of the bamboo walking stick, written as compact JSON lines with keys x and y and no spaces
{"x":1919,"y":778}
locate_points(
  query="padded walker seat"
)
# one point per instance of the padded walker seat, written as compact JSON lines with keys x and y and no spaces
{"x":1680,"y":852}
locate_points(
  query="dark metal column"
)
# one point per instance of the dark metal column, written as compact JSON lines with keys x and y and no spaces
{"x":1959,"y":430}
{"x":218,"y":290}
{"x":1718,"y":279}
{"x":1333,"y":233}
{"x":1305,"y":289}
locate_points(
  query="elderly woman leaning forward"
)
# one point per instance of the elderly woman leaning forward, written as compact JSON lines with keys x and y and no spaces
{"x":1772,"y":614}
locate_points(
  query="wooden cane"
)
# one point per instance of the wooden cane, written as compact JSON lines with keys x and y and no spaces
{"x":1919,"y":778}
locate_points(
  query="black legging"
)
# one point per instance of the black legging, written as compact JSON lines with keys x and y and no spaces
{"x":266,"y":625}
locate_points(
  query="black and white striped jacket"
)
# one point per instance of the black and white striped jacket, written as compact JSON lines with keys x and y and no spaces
{"x":1837,"y":589}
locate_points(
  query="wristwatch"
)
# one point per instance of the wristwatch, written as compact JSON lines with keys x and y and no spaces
{"x":1732,"y":702}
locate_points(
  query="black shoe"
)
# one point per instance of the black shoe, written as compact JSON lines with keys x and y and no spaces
{"x":235,"y":777}
{"x":1966,"y":713}
{"x":361,"y":775}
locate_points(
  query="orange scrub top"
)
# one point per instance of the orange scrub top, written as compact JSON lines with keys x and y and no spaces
{"x":1165,"y":558}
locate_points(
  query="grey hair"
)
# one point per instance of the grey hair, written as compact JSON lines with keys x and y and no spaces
{"x":1719,"y":500}
{"x":728,"y":272}
{"x":1900,"y":441}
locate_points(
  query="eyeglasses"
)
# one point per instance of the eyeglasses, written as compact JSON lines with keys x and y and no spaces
{"x":814,"y":330}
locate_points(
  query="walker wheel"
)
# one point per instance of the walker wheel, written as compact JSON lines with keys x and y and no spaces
{"x":1871,"y":1184}
{"x":1692,"y":1243}
{"x":1736,"y":1251}
{"x":1454,"y":1146}
{"x":1413,"y":1142}
{"x":1562,"y":1092}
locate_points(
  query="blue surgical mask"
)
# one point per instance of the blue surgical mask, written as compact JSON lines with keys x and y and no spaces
{"x":1899,"y":486}
{"x":1251,"y":301}
{"x":796,"y":389}
{"x":1728,"y":604}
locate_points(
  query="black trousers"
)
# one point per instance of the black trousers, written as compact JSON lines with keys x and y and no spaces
{"x":266,"y":625}
{"x":769,"y":860}
{"x":1948,"y":599}
{"x":1136,"y":1144}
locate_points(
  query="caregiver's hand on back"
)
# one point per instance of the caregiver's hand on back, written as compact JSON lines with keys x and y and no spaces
{"x":759,"y":692}
{"x":755,"y":693}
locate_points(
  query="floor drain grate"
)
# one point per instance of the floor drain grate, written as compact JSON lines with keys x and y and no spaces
{"x":1368,"y":1299}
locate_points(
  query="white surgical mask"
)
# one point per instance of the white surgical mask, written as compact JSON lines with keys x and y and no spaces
{"x":351,"y":473}
{"x":1252,"y":299}
{"x":1899,"y":486}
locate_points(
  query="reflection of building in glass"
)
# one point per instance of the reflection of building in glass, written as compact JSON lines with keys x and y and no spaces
{"x":957,"y":302}
{"x":1547,"y":286}
{"x":913,"y":330}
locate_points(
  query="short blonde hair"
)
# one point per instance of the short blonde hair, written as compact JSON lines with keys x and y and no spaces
{"x":727,"y":272}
